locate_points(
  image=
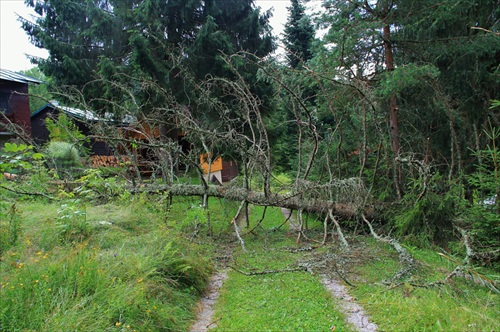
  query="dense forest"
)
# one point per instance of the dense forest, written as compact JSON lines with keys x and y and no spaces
{"x":399,"y":95}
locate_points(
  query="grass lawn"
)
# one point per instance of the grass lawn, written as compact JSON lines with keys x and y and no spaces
{"x":141,"y":264}
{"x":287,"y":301}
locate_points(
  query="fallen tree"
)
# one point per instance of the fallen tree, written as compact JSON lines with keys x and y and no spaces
{"x":293,"y":201}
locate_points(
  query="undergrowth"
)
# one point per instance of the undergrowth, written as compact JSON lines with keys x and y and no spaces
{"x":79,"y":267}
{"x":141,"y":262}
{"x":422,"y":302}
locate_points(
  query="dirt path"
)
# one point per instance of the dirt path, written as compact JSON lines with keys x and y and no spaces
{"x":354,"y":313}
{"x":204,"y":318}
{"x":206,"y":304}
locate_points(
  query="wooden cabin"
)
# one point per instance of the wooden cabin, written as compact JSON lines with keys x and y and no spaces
{"x":14,"y":104}
{"x":220,"y":171}
{"x":101,"y":154}
{"x":82,"y":119}
{"x":131,"y":130}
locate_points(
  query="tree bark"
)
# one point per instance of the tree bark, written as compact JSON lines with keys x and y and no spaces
{"x":294,"y":202}
{"x":393,"y":106}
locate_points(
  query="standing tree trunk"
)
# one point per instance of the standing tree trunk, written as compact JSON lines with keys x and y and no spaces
{"x":393,"y":102}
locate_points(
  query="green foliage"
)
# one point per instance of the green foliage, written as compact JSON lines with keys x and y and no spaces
{"x":39,"y":93}
{"x":407,"y":77}
{"x":14,"y":158}
{"x":64,"y":130}
{"x":72,"y":221}
{"x":487,"y":177}
{"x":426,"y":217}
{"x":466,"y":57}
{"x":484,"y":215}
{"x":189,"y":273}
{"x":10,"y":226}
{"x":130,"y":274}
{"x":66,"y":145}
{"x":94,"y":186}
{"x":186,"y":214}
{"x":93,"y":37}
{"x":63,"y":156}
{"x":495,"y":104}
{"x":417,"y":304}
{"x":298,"y":35}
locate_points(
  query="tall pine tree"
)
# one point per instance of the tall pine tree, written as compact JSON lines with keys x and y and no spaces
{"x":298,"y":35}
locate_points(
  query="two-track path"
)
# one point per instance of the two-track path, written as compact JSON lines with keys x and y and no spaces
{"x":355,"y":315}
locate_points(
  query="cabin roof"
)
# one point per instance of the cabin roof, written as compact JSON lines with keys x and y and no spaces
{"x":12,"y":76}
{"x":84,"y":115}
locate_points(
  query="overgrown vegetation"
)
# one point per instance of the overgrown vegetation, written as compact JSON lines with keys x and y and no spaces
{"x":118,"y":266}
{"x":141,"y":261}
{"x":424,"y":302}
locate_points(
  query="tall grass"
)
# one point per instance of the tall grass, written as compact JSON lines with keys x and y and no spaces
{"x":130,"y":272}
{"x":140,"y":264}
{"x":417,"y":304}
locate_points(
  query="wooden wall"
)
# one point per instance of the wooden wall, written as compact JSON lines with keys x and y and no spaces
{"x":19,"y":104}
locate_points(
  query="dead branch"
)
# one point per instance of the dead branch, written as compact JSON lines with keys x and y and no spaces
{"x":237,"y":227}
{"x":404,"y":256}
{"x":27,"y":193}
{"x":478,"y":278}
{"x":301,"y":225}
{"x":428,"y":285}
{"x":259,"y":222}
{"x":342,"y":238}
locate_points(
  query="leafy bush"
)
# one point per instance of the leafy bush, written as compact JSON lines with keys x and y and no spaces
{"x":95,"y":186}
{"x":63,"y":157}
{"x":73,"y":222}
{"x":17,"y":157}
{"x":64,"y":154}
{"x":63,"y":130}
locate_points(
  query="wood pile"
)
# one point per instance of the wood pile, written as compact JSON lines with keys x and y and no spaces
{"x":108,"y":161}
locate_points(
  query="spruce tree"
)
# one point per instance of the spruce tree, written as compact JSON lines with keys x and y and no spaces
{"x":143,"y":39}
{"x":298,"y":35}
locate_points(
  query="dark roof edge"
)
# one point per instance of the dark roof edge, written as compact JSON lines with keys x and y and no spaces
{"x":12,"y":76}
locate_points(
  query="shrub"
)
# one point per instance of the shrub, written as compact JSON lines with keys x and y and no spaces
{"x":63,"y":157}
{"x":64,"y":154}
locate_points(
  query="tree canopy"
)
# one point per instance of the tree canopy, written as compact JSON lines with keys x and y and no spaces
{"x":94,"y":39}
{"x":396,"y":95}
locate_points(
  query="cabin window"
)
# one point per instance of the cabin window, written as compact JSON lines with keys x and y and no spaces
{"x":5,"y":103}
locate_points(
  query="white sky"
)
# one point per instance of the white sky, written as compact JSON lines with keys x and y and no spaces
{"x":14,"y":43}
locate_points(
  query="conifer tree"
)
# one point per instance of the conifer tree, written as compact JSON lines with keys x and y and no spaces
{"x":142,"y":39}
{"x":298,"y":35}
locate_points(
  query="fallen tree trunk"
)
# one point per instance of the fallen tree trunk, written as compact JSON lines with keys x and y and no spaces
{"x":292,"y":202}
